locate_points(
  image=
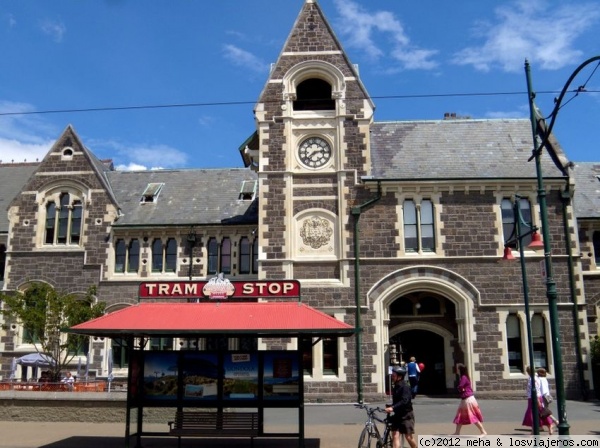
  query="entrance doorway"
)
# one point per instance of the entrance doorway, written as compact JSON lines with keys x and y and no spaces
{"x":428,"y":348}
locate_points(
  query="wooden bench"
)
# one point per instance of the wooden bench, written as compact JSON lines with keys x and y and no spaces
{"x":214,"y":424}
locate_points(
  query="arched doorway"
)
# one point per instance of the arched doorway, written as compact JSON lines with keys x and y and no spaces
{"x":428,"y":348}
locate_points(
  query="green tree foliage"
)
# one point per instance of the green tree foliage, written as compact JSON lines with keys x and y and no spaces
{"x":44,"y":313}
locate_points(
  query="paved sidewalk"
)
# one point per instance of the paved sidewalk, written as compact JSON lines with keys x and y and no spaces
{"x":327,"y":426}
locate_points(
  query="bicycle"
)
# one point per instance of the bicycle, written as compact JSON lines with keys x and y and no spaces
{"x":370,"y":436}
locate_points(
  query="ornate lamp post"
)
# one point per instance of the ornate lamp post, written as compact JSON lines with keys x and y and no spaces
{"x":539,"y":128}
{"x":535,"y":244}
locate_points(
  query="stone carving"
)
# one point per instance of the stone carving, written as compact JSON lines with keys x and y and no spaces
{"x":316,"y":232}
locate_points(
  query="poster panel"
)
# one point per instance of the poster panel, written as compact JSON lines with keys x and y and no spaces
{"x":201,"y":374}
{"x":240,"y":379}
{"x":281,"y":378}
{"x":160,"y":375}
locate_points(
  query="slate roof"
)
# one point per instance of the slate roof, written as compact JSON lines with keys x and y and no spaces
{"x":586,"y":200}
{"x":455,"y":149}
{"x":13,"y":176}
{"x":188,"y":197}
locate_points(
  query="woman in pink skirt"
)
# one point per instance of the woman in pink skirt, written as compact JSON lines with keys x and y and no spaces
{"x":468,"y":410}
{"x":528,"y":417}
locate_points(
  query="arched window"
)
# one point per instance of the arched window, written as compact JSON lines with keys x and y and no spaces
{"x":429,"y":305}
{"x":419,"y":226}
{"x":157,"y":255}
{"x":120,"y":255}
{"x":314,"y":94}
{"x":540,"y":348}
{"x":245,"y":256}
{"x":508,"y":222}
{"x":2,"y":261}
{"x":226,"y":256}
{"x":514,"y":343}
{"x":213,"y":256}
{"x":402,"y":307}
{"x":63,"y":222}
{"x":171,"y":255}
{"x":255,"y":256}
{"x":596,"y":242}
{"x":133,"y":256}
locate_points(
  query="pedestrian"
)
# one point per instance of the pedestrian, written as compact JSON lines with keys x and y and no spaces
{"x":546,"y":395}
{"x":69,"y":380}
{"x":414,"y":373}
{"x":403,"y":420}
{"x":528,"y":417}
{"x":468,"y":410}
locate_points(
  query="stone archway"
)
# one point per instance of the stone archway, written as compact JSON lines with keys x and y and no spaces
{"x":443,"y":282}
{"x":432,"y":345}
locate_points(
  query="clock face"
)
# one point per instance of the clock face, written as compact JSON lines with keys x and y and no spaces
{"x":314,"y":152}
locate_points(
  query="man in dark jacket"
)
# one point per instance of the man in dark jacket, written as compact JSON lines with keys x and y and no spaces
{"x":403,"y":420}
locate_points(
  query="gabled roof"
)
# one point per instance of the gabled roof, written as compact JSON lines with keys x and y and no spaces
{"x":586,"y":200}
{"x":187,"y":197}
{"x":256,"y":318}
{"x":455,"y":149}
{"x":321,"y":41}
{"x":13,"y":176}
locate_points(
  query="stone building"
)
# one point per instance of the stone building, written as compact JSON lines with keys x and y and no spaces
{"x":397,"y":228}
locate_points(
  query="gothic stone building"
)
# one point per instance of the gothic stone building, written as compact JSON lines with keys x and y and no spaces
{"x":397,"y":228}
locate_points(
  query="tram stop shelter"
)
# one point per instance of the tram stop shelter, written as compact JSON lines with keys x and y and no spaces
{"x":219,"y":379}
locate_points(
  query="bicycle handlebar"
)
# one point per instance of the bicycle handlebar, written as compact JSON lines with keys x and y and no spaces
{"x":370,"y":411}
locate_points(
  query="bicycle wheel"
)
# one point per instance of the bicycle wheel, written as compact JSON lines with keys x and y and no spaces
{"x":387,"y":439}
{"x":369,"y":438}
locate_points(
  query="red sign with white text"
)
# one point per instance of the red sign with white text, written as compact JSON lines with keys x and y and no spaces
{"x":219,"y":289}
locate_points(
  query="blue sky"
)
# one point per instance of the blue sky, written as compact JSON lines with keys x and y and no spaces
{"x":413,"y":57}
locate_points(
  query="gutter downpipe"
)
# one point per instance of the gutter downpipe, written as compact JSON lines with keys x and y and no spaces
{"x":356,"y":212}
{"x":566,"y":196}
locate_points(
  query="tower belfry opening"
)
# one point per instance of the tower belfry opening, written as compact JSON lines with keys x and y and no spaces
{"x":314,"y":94}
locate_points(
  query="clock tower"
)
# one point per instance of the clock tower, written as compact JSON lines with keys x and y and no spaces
{"x":313,"y":118}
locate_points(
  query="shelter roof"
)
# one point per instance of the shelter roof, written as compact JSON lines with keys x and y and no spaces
{"x":239,"y":318}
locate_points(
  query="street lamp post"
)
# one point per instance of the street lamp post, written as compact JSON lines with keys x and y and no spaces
{"x":539,"y":128}
{"x":519,"y":236}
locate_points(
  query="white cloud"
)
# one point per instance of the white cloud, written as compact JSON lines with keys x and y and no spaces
{"x":22,"y":137}
{"x":54,"y":29}
{"x":542,"y":32}
{"x":134,"y":157}
{"x":243,"y":58}
{"x":360,"y":27}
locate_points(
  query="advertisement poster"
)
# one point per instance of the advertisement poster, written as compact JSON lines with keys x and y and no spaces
{"x":240,"y":376}
{"x":281,"y":375}
{"x":200,"y":376}
{"x":160,"y":375}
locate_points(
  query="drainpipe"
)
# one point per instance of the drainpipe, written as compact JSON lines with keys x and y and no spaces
{"x":356,"y":212}
{"x":565,"y":197}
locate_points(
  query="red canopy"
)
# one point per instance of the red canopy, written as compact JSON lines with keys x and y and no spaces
{"x":185,"y":319}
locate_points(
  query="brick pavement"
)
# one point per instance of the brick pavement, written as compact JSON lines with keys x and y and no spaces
{"x":326,"y":427}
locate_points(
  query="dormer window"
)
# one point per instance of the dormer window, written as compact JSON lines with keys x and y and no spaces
{"x":248,"y":190}
{"x":314,"y":94}
{"x":151,"y":192}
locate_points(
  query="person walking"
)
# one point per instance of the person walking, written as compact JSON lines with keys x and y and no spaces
{"x":414,"y":372}
{"x":528,"y":417}
{"x":546,"y":396}
{"x":403,"y":420}
{"x":468,"y":411}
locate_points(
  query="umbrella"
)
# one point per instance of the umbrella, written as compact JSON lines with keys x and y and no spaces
{"x":36,"y":360}
{"x":79,"y":367}
{"x":87,"y":366}
{"x":13,"y":369}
